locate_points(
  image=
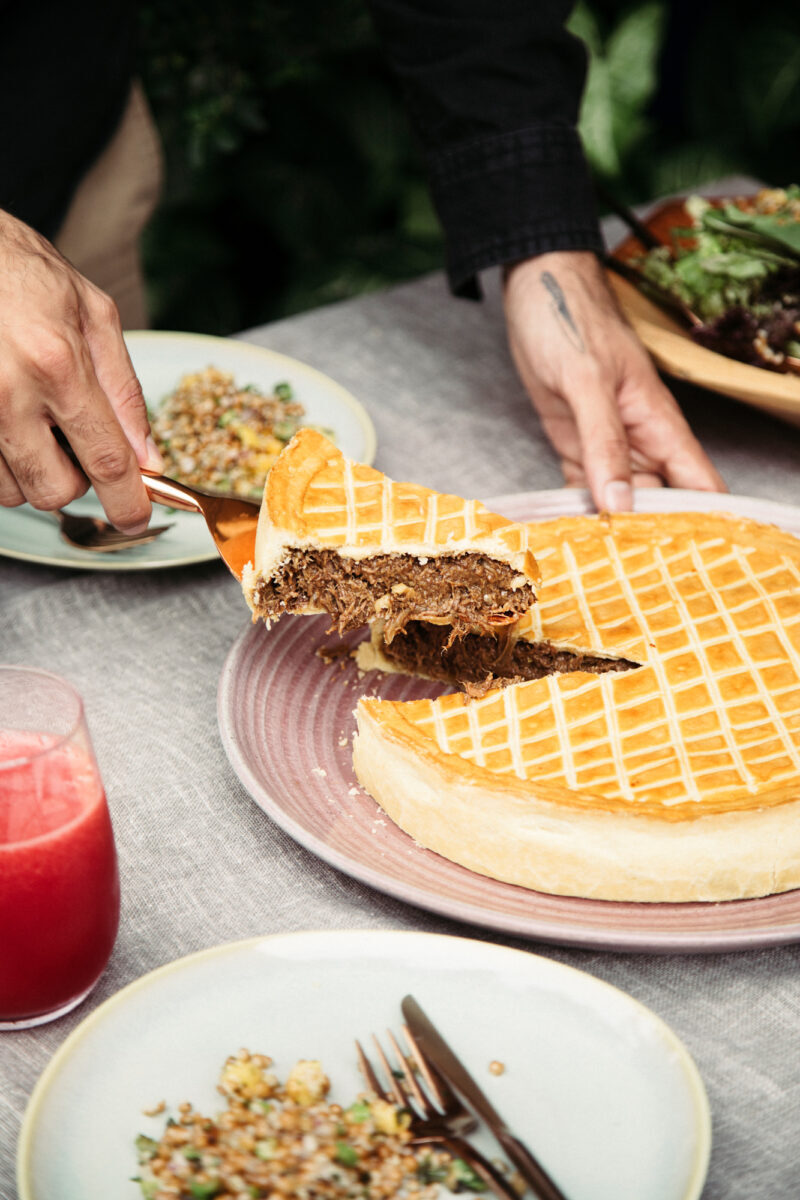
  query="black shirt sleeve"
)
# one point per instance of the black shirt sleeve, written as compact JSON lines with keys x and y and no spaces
{"x":65,"y":74}
{"x":493,"y":88}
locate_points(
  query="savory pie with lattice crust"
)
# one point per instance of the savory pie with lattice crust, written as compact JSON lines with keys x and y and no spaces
{"x":677,"y":778}
{"x":338,"y":537}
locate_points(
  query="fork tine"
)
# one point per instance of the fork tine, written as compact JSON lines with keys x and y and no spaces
{"x":371,"y":1078}
{"x":113,"y":536}
{"x":429,"y":1074}
{"x":432,"y":1128}
{"x":398,"y":1091}
{"x":408,"y":1074}
{"x":445,"y":1096}
{"x":152,"y":534}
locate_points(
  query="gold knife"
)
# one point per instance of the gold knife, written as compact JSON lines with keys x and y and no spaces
{"x":434,"y":1047}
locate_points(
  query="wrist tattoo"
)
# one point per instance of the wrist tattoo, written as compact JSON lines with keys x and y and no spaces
{"x":558,"y":304}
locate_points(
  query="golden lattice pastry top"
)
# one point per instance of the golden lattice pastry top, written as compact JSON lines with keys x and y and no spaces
{"x":709,"y":723}
{"x":316,"y":497}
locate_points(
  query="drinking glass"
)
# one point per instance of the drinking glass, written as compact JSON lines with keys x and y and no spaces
{"x":59,"y":886}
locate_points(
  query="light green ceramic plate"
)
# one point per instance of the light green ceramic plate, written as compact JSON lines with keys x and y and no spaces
{"x":160,"y":360}
{"x":602,"y":1090}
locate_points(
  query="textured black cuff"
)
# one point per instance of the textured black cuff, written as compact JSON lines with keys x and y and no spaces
{"x":508,"y":196}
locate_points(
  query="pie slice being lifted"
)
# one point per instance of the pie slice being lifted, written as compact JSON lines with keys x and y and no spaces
{"x":677,"y":779}
{"x":338,"y":537}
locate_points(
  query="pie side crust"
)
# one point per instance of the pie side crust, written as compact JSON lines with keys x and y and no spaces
{"x":526,"y":836}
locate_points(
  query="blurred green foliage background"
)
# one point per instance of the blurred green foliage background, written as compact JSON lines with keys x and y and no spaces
{"x":293,"y":178}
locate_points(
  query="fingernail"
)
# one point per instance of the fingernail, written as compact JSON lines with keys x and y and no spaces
{"x":618,"y":496}
{"x":154,"y":460}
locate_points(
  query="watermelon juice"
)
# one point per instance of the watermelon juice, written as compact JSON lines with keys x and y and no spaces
{"x":59,"y":887}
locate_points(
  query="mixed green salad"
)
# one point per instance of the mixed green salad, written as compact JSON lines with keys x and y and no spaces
{"x":737,"y":267}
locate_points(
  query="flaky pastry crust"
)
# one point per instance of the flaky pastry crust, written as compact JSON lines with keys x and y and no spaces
{"x":315,"y":498}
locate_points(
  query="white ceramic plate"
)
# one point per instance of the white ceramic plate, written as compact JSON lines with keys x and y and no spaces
{"x":160,"y":360}
{"x":602,"y":1090}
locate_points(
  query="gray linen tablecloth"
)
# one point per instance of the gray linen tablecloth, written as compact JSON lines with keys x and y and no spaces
{"x":201,"y":864}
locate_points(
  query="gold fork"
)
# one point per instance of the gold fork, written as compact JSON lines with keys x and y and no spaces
{"x":434,"y":1122}
{"x":91,"y":533}
{"x":231,"y":520}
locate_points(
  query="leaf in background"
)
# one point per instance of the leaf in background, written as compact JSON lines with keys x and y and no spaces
{"x":620,"y":82}
{"x":772,"y":229}
{"x":770,"y":81}
{"x":743,"y":87}
{"x":632,"y":55}
{"x":583,"y":24}
{"x":736,"y":265}
{"x":370,"y":119}
{"x":596,"y":123}
{"x":419,"y":220}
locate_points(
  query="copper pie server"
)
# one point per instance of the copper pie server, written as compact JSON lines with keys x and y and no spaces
{"x":231,"y":520}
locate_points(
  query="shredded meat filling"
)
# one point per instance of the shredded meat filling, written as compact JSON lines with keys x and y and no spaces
{"x":482,"y":661}
{"x":465,"y":591}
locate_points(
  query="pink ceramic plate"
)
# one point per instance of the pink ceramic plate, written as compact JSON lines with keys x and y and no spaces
{"x":286,"y":719}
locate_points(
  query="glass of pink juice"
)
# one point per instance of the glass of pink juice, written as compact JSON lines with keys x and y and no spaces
{"x":59,"y":886}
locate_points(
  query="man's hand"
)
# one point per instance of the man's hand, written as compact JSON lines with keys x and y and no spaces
{"x":64,"y":365}
{"x":609,"y":417}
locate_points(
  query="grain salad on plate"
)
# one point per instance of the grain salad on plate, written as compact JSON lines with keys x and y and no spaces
{"x":287,"y":1139}
{"x":217,"y":435}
